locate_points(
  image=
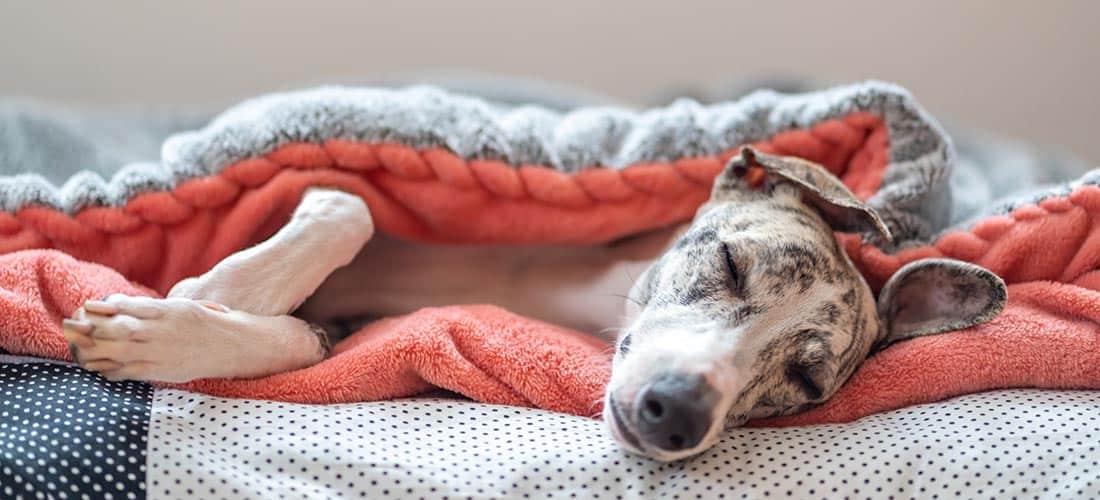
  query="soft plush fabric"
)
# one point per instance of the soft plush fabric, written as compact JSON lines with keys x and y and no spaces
{"x":483,"y":352}
{"x":1047,"y":337}
{"x":443,"y":168}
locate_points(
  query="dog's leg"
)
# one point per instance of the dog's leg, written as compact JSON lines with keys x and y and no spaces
{"x":231,"y":321}
{"x":274,"y":277}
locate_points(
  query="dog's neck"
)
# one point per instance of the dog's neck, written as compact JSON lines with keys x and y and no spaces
{"x":580,"y":287}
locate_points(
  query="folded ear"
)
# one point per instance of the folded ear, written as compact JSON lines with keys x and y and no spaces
{"x":933,"y":296}
{"x":840,"y":208}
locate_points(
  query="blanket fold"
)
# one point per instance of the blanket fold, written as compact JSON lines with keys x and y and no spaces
{"x":442,"y":168}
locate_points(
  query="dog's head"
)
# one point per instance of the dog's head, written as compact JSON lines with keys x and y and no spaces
{"x":757,"y":311}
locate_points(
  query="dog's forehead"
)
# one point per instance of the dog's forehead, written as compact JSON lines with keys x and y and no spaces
{"x":785,"y":264}
{"x":782,"y":212}
{"x":765,"y":231}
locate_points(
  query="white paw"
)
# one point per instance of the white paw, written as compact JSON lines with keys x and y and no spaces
{"x":179,"y":340}
{"x":141,"y":338}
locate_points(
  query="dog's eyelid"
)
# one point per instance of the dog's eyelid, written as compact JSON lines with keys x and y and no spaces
{"x":804,"y":375}
{"x":735,"y":277}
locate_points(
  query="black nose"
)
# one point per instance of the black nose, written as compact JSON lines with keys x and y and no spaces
{"x":675,"y":411}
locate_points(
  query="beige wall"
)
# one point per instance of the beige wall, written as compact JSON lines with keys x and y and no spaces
{"x":1024,"y":68}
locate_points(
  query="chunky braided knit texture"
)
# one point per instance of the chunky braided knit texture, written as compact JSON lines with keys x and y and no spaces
{"x":161,"y":237}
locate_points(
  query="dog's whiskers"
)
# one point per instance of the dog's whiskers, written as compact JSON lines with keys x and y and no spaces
{"x":609,"y":350}
{"x":611,"y":329}
{"x":628,"y":275}
{"x":627,"y":297}
{"x":592,"y":412}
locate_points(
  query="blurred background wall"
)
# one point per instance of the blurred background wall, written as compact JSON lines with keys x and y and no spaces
{"x":1027,"y":69}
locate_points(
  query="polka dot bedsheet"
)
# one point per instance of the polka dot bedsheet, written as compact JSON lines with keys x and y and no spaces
{"x":66,"y":433}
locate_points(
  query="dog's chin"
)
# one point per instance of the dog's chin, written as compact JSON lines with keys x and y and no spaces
{"x":628,"y":440}
{"x":620,"y":429}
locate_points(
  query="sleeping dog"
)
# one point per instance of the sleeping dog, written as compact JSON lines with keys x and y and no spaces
{"x":750,"y":310}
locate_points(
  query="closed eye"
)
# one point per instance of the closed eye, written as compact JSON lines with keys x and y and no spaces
{"x":801,"y":375}
{"x":736,"y":284}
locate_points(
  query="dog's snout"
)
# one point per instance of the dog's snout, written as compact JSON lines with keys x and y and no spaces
{"x":675,"y":411}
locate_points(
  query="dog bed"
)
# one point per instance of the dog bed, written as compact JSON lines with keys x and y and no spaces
{"x":234,"y":182}
{"x":68,"y":432}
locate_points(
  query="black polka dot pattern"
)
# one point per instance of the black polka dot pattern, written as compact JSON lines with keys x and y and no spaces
{"x":67,"y":433}
{"x":1020,"y":443}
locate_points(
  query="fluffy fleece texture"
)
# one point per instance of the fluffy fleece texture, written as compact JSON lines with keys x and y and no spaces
{"x":482,"y":352}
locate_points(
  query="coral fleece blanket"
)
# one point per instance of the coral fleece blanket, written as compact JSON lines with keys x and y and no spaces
{"x":444,"y":168}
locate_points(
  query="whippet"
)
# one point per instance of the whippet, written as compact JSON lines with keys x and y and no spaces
{"x":750,"y":310}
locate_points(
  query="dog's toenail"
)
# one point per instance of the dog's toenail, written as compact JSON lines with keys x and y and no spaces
{"x":80,"y":326}
{"x":213,"y":306}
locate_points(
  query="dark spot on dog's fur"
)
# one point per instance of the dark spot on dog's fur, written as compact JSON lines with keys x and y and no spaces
{"x":849,"y":297}
{"x":695,"y":239}
{"x":743,"y":225}
{"x":691,"y":296}
{"x":743,"y":312}
{"x":699,"y":290}
{"x":796,"y":261}
{"x":746,"y":223}
{"x":829,"y":312}
{"x":857,"y":343}
{"x":805,"y":281}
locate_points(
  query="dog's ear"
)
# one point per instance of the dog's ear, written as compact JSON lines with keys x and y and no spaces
{"x":840,"y":208}
{"x":931,"y":296}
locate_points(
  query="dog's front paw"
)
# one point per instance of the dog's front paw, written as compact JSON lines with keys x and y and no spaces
{"x":110,"y":336}
{"x":179,"y":340}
